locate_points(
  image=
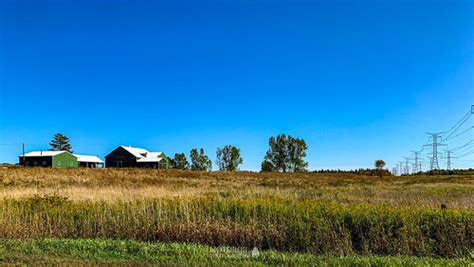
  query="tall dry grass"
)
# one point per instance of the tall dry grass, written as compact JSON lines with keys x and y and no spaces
{"x":319,"y":213}
{"x":136,"y":184}
{"x":280,"y":224}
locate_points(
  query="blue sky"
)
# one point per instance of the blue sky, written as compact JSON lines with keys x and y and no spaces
{"x":358,"y":80}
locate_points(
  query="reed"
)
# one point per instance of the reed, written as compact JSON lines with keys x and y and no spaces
{"x":272,"y":223}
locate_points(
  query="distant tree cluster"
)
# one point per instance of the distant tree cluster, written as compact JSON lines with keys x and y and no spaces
{"x":469,"y":171}
{"x":286,"y":154}
{"x":227,"y":159}
{"x":366,"y":172}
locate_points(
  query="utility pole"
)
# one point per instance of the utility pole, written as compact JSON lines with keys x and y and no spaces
{"x":23,"y":146}
{"x":434,"y":165}
{"x":401,"y":167}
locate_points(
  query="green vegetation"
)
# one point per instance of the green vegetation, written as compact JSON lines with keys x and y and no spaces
{"x":123,"y":251}
{"x":285,"y":154}
{"x":60,"y":142}
{"x":200,"y":161}
{"x":469,"y":171}
{"x":279,"y":224}
{"x":328,"y":216}
{"x":228,"y":158}
{"x":179,"y":162}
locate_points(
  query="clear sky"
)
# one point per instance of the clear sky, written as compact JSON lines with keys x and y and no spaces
{"x":358,"y":80}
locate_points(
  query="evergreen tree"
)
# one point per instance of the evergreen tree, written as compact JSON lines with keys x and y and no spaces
{"x":60,"y":143}
{"x":228,"y":158}
{"x":180,"y":162}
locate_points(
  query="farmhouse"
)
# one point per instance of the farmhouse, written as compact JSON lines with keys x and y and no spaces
{"x":127,"y":156}
{"x":59,"y":159}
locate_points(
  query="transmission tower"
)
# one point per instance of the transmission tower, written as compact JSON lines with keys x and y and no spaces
{"x":449,"y":158}
{"x":434,"y":165}
{"x":401,"y":167}
{"x":395,"y":170}
{"x":407,"y":169}
{"x":416,"y":164}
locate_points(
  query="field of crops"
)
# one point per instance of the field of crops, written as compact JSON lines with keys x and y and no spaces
{"x":327,"y":216}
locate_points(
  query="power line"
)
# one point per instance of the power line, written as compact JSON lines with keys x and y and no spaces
{"x":466,"y":154}
{"x":459,"y":134}
{"x":458,"y":125}
{"x":463,"y":146}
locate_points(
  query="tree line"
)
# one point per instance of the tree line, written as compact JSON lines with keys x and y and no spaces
{"x":285,"y":154}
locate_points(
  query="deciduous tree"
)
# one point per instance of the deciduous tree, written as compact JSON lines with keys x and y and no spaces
{"x":200,"y":161}
{"x":286,"y":154}
{"x":267,"y":166}
{"x":379,"y":164}
{"x":228,"y":158}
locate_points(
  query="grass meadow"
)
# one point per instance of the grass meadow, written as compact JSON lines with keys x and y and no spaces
{"x":292,"y":218}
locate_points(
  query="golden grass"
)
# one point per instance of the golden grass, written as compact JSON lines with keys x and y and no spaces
{"x":337,"y":214}
{"x":135,"y":184}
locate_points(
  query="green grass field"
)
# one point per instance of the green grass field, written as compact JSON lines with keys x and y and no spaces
{"x":292,"y":218}
{"x":68,"y":251}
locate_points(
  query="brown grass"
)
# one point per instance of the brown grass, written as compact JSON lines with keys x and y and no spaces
{"x":136,"y":184}
{"x":337,"y":214}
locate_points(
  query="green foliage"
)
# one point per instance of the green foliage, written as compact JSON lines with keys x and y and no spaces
{"x":180,"y":162}
{"x":362,"y":172}
{"x":60,"y":143}
{"x":268,"y":223}
{"x":166,"y":163}
{"x":267,"y":166}
{"x":379,"y":164}
{"x":70,"y":251}
{"x":286,"y":154}
{"x":228,"y":158}
{"x":469,"y":171}
{"x":200,"y":161}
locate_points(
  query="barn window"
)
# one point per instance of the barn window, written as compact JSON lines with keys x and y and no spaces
{"x":59,"y":163}
{"x":27,"y":163}
{"x":35,"y":163}
{"x":44,"y":162}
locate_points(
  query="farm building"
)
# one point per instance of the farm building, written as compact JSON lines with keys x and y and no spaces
{"x":127,"y":156}
{"x":89,"y":161}
{"x":58,"y":159}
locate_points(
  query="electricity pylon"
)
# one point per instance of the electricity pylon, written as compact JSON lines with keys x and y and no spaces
{"x":416,"y":166}
{"x":448,"y":158}
{"x":434,"y":165}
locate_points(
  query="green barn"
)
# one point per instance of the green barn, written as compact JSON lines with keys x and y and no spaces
{"x":54,"y":159}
